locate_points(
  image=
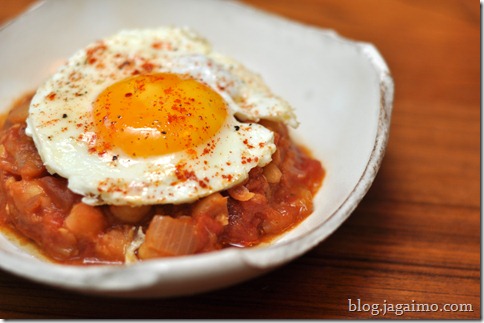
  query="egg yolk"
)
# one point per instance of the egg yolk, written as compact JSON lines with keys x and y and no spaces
{"x":157,"y":114}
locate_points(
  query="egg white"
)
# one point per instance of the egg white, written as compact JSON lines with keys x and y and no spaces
{"x":61,"y":124}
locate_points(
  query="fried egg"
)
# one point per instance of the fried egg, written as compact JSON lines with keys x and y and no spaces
{"x":153,"y":116}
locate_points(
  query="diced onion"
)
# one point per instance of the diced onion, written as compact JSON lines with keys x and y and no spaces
{"x":138,"y":240}
{"x":167,"y":236}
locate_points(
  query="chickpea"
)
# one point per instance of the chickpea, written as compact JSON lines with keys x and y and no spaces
{"x":129,"y":214}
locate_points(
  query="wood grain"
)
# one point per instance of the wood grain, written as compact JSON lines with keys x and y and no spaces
{"x":415,"y":236}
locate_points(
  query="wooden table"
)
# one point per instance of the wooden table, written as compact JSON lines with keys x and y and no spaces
{"x":414,"y":239}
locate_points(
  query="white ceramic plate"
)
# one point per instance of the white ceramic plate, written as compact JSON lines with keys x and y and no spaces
{"x":342,"y":92}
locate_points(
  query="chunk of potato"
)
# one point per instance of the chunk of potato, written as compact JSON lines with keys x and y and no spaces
{"x":85,"y":221}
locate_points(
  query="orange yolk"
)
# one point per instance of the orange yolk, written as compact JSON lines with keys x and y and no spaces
{"x":156,"y":114}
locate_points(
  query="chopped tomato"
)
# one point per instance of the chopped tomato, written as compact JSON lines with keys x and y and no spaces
{"x":18,"y":155}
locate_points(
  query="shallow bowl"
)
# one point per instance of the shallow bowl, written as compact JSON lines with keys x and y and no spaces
{"x":341,"y":89}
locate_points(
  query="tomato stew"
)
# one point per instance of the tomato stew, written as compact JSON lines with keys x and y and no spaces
{"x":39,"y":206}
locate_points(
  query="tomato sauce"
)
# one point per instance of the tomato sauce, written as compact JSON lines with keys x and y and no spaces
{"x":39,"y":206}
